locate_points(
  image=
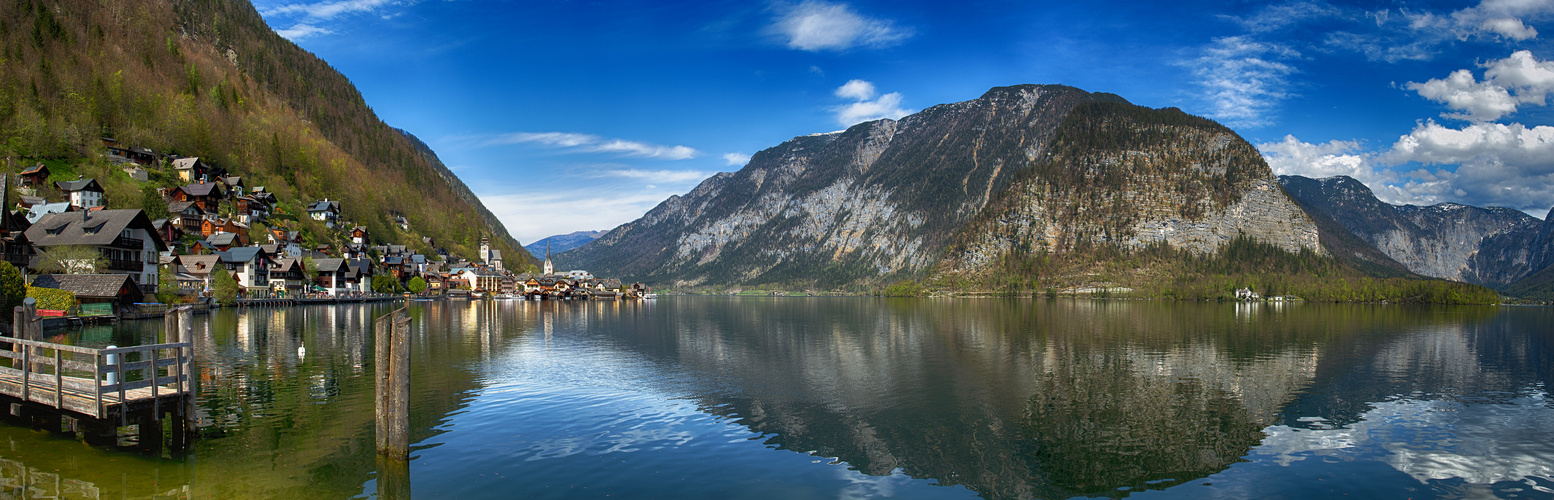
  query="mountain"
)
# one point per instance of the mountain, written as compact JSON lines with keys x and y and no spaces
{"x":955,"y":188}
{"x":1492,"y":246}
{"x":562,"y":242}
{"x":208,"y":78}
{"x":1130,"y":177}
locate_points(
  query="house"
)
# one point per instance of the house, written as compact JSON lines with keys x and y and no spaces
{"x":25,"y":202}
{"x":483,"y":279}
{"x":116,"y":289}
{"x":207,"y":195}
{"x":326,"y":211}
{"x":1247,"y":294}
{"x":359,"y":235}
{"x":287,"y":273}
{"x":209,"y":228}
{"x":82,"y":193}
{"x":125,"y":238}
{"x":13,"y":233}
{"x":331,"y":275}
{"x":187,"y":215}
{"x":168,"y":230}
{"x":249,"y":265}
{"x":234,"y":184}
{"x":34,"y":176}
{"x":191,"y":169}
{"x":360,"y":277}
{"x":203,"y":247}
{"x":223,"y":241}
{"x":249,"y":209}
{"x":193,"y":271}
{"x":137,"y":155}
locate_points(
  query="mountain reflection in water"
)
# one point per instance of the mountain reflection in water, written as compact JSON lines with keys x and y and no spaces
{"x":858,"y":398}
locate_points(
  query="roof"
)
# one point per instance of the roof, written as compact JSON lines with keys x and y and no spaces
{"x":37,"y":211}
{"x":79,"y":185}
{"x":329,"y":265}
{"x":200,"y":188}
{"x":222,"y":239}
{"x":241,"y":254}
{"x":90,"y":228}
{"x":197,"y":264}
{"x":35,"y":169}
{"x":179,"y":207}
{"x":185,"y":163}
{"x":326,"y":205}
{"x":91,"y":285}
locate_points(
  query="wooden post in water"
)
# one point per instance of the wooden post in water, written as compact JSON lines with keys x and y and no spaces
{"x":391,"y":365}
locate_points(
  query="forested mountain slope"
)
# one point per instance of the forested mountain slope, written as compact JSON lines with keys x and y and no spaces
{"x":208,"y":78}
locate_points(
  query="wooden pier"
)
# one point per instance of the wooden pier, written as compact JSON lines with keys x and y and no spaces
{"x":95,"y":391}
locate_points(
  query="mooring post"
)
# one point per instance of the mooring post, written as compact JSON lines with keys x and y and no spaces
{"x":31,"y":326}
{"x":191,"y":421}
{"x":391,"y":356}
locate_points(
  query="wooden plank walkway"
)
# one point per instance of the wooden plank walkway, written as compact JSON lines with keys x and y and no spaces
{"x":96,"y":383}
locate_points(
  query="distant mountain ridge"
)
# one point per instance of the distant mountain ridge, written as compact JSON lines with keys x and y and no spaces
{"x":562,"y":242}
{"x":1494,"y":246}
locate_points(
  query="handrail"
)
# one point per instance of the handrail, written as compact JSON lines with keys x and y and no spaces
{"x":42,"y":364}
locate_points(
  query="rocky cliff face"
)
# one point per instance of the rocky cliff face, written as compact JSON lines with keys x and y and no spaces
{"x":1489,"y":246}
{"x":877,"y":200}
{"x":1131,"y":177}
{"x":885,"y":199}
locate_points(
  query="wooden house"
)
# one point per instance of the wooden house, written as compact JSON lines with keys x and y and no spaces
{"x":125,"y":238}
{"x":34,"y":176}
{"x":207,"y":195}
{"x":116,"y":289}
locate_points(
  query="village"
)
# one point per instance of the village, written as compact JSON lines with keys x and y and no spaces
{"x":122,"y":263}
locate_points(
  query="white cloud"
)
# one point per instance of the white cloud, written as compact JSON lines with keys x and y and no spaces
{"x":1508,"y":83}
{"x":308,"y":16}
{"x":615,"y":195}
{"x":658,"y":176}
{"x":865,"y":109}
{"x":644,"y":150}
{"x":586,"y":143}
{"x":1495,"y":164}
{"x":1479,"y":101}
{"x":533,"y":215}
{"x":856,"y":89}
{"x":1529,"y":149}
{"x":815,"y":26}
{"x":302,"y":31}
{"x":1243,"y":79}
{"x":326,"y":10}
{"x":1293,"y":157}
{"x":736,"y":159}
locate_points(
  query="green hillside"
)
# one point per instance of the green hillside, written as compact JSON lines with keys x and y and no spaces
{"x":208,"y":78}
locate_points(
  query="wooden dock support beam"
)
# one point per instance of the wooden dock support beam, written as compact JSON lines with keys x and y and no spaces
{"x":391,"y":356}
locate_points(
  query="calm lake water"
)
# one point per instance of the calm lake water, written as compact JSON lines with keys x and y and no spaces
{"x":712,"y":397}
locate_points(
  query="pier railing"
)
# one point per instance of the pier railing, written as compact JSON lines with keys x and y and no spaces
{"x":91,"y":381}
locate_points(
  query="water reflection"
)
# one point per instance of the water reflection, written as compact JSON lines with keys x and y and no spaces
{"x":857,"y":398}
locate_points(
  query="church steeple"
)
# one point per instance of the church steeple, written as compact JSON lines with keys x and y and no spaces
{"x":549,"y":268}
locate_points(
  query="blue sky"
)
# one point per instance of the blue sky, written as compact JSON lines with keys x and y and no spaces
{"x":579,"y":115}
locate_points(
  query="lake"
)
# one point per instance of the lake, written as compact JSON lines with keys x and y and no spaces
{"x":825,"y":397}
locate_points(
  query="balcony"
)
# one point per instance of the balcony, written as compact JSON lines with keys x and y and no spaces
{"x":135,"y":243}
{"x":126,"y":265}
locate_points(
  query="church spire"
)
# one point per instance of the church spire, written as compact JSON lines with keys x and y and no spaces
{"x":549,"y":268}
